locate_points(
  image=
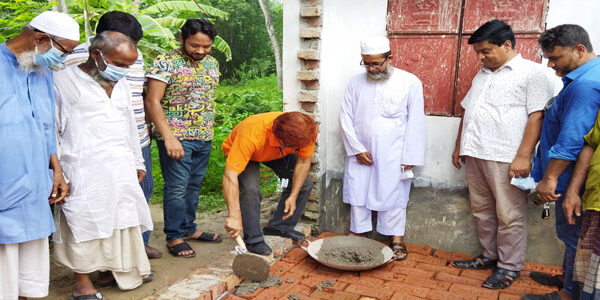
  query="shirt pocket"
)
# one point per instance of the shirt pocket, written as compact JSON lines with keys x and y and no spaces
{"x":11,"y":112}
{"x":394,"y":106}
{"x":14,"y":191}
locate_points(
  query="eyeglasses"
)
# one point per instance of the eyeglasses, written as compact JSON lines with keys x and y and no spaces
{"x":373,"y":65}
{"x":62,"y":49}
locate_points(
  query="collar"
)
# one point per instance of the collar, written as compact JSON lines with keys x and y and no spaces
{"x":8,"y":53}
{"x":511,"y":64}
{"x":579,"y":71}
{"x":273,"y":140}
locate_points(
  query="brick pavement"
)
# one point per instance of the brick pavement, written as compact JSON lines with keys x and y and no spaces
{"x":425,"y":274}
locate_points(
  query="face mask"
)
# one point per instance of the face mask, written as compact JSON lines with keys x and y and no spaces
{"x":50,"y":58}
{"x":406,"y":174}
{"x":524,"y":183}
{"x":112,"y":72}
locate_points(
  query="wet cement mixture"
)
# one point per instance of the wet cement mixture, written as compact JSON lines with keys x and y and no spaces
{"x":249,"y":286}
{"x":324,"y":284}
{"x":293,"y":297}
{"x":351,"y":256}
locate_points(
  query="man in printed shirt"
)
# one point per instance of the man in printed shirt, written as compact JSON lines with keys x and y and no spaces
{"x":180,"y":102}
{"x":127,"y":24}
{"x":569,"y":118}
{"x":28,"y":148}
{"x":497,"y":135}
{"x":283,"y":142}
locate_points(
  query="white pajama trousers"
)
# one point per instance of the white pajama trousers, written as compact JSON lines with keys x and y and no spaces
{"x":24,"y":269}
{"x":391,"y":222}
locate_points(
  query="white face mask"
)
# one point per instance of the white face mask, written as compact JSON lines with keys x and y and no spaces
{"x":524,"y":183}
{"x":406,"y":174}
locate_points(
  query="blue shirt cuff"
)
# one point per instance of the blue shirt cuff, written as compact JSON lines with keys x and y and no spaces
{"x":558,"y":152}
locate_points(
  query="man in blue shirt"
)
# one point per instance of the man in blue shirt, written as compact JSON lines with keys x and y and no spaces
{"x":28,"y":152}
{"x":567,"y":120}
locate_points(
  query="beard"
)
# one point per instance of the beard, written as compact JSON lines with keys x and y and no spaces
{"x":26,"y":62}
{"x":381,"y":76}
{"x":101,"y":80}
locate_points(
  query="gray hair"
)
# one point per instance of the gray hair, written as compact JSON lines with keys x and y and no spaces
{"x":107,"y":41}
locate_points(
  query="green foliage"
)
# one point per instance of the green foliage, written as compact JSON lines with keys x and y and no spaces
{"x":16,"y":14}
{"x":233,"y":103}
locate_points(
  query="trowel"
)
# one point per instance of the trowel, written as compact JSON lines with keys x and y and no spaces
{"x":249,"y":265}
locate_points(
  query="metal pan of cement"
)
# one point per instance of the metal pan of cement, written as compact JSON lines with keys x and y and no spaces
{"x":349,"y":253}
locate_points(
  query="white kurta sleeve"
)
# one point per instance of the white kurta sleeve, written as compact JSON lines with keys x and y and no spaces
{"x":414,"y":139}
{"x":351,"y":142}
{"x":60,"y":118}
{"x":134,"y":139}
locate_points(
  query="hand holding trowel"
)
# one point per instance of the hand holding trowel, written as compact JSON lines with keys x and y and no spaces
{"x":249,"y":265}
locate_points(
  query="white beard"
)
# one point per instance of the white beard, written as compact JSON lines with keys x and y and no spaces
{"x":100,"y":80}
{"x":384,"y":75}
{"x":26,"y":62}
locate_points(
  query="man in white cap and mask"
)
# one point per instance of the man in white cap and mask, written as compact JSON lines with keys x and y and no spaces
{"x":382,"y":126}
{"x":30,"y":175}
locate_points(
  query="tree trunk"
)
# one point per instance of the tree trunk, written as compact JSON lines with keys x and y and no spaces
{"x":61,"y":6}
{"x":86,"y":20}
{"x":274,"y":42}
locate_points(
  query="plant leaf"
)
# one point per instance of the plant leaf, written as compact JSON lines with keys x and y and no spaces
{"x":221,"y":45}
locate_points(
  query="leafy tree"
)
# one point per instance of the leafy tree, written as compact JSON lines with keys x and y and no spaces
{"x":15,"y":14}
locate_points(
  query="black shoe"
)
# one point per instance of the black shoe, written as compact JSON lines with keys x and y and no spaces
{"x":547,"y":279}
{"x":292,"y":234}
{"x":550,"y":296}
{"x":260,"y":248}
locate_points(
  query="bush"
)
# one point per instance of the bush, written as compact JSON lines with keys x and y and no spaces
{"x":233,"y":104}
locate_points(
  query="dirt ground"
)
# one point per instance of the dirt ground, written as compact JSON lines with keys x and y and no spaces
{"x":167,"y":269}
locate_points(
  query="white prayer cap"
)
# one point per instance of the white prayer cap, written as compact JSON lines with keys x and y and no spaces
{"x":374,"y":45}
{"x":57,"y":24}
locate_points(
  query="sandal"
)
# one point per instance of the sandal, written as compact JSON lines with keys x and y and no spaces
{"x":113,"y":283}
{"x":95,"y":295}
{"x":500,"y":279}
{"x":400,"y":252}
{"x":478,"y":263}
{"x":206,"y":237}
{"x":547,"y":279}
{"x":177,"y":249}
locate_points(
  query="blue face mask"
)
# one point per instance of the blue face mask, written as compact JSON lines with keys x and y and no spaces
{"x":50,"y":58}
{"x":524,"y":183}
{"x":112,"y":72}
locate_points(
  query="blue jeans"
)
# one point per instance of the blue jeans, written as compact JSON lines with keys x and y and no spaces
{"x":568,"y":234}
{"x":183,"y":181}
{"x":147,"y":184}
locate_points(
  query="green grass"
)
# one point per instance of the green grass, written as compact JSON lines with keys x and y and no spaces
{"x":233,"y":104}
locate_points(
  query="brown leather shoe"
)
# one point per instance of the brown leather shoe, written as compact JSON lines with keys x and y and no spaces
{"x":152,"y":252}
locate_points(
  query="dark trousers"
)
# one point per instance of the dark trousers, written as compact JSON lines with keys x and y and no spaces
{"x":568,"y":234}
{"x":251,"y":197}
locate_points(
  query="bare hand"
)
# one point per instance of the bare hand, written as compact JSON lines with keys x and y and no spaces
{"x":546,"y":189}
{"x":174,"y":148}
{"x":572,"y":205}
{"x":364,"y":158}
{"x":233,"y":226}
{"x":520,"y":167}
{"x":456,"y":158}
{"x":141,"y":174}
{"x":407,"y":167}
{"x":290,"y":207}
{"x":60,"y":189}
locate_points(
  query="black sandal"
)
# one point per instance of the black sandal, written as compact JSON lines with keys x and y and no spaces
{"x":500,"y":279}
{"x":175,"y":250}
{"x":400,"y":252}
{"x":478,"y":263}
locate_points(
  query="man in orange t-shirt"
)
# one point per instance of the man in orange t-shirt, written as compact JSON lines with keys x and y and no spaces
{"x":283,"y":142}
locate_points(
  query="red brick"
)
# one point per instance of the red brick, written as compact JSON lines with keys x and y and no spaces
{"x":294,"y":256}
{"x":426,"y":259}
{"x":404,"y":263}
{"x":518,"y":290}
{"x":428,"y":283}
{"x":438,"y":268}
{"x":218,"y":289}
{"x":530,"y":283}
{"x":543,"y":291}
{"x":369,"y":291}
{"x":300,"y":290}
{"x":457,"y":279}
{"x":304,"y":266}
{"x":404,"y":288}
{"x":441,"y":253}
{"x":412,"y":272}
{"x":328,"y":234}
{"x":293,"y":276}
{"x":313,"y":281}
{"x":271,"y":293}
{"x":477,"y":274}
{"x":232,"y":297}
{"x":421,"y":249}
{"x":403,"y":296}
{"x":339,"y":295}
{"x":474,"y":291}
{"x":321,"y":295}
{"x":461,"y":256}
{"x":506,"y":296}
{"x":281,"y":267}
{"x":383,"y":274}
{"x":253,"y":295}
{"x":553,"y":270}
{"x":445,"y":295}
{"x":325,"y":271}
{"x":367,"y":298}
{"x":349,"y":277}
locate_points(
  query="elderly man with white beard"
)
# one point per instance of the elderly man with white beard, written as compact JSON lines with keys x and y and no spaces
{"x":30,"y":175}
{"x":382,"y":126}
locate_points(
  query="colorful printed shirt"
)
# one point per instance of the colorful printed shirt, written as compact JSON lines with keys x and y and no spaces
{"x":188,"y":102}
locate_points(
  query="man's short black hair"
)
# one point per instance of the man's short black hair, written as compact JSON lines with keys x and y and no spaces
{"x":121,"y":22}
{"x":494,"y":32}
{"x":566,"y":35}
{"x":193,"y":26}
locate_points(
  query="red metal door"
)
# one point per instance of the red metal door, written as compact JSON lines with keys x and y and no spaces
{"x":429,"y":38}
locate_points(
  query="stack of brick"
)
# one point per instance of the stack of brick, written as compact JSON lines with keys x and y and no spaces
{"x":425,"y":274}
